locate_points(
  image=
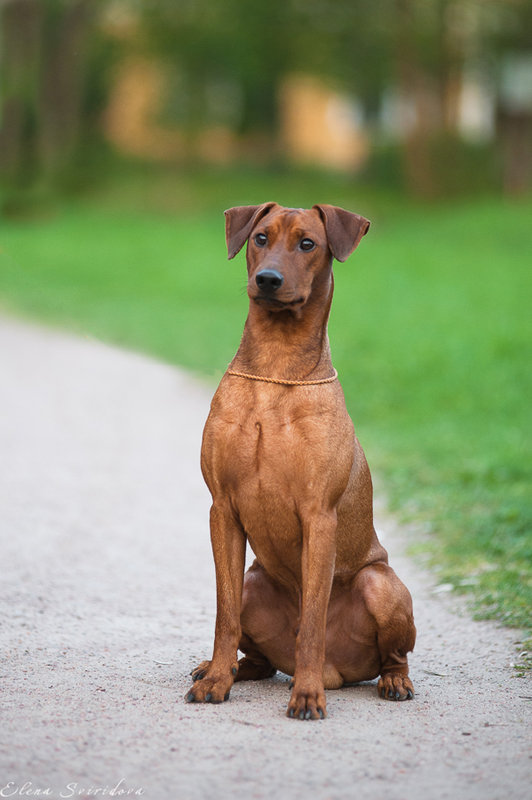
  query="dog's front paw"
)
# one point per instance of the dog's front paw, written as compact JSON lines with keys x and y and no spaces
{"x":211,"y":685}
{"x":307,"y":702}
{"x":395,"y":687}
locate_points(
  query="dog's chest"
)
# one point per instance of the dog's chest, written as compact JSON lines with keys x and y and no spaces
{"x":272,"y":452}
{"x":277,"y":459}
{"x":257,"y":450}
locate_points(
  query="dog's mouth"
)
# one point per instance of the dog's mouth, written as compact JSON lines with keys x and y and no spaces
{"x":276,"y":304}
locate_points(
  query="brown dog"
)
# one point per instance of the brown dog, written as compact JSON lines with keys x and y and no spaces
{"x":287,"y":473}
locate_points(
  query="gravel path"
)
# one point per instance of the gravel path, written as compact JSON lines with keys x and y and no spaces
{"x":107,"y":602}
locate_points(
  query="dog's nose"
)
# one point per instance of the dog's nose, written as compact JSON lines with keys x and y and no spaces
{"x":269,"y":280}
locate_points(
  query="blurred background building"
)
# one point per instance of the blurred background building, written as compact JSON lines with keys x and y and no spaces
{"x":431,"y":96}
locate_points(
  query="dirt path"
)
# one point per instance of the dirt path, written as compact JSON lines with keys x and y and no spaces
{"x":107,"y":602}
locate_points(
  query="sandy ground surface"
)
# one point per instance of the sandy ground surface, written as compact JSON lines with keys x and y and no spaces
{"x":107,"y":602}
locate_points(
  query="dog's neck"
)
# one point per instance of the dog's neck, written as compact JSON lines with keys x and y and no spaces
{"x":291,"y":345}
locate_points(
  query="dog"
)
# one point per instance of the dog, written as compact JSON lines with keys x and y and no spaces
{"x":288,"y":475}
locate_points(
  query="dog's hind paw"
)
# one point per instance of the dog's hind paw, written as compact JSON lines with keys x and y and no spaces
{"x":253,"y":670}
{"x":395,"y":687}
{"x":200,"y":671}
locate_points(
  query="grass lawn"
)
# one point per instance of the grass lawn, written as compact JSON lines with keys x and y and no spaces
{"x":430,"y":332}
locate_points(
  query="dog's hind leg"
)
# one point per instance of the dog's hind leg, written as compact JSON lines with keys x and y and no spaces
{"x":254,"y":666}
{"x":388,"y":602}
{"x":269,"y":620}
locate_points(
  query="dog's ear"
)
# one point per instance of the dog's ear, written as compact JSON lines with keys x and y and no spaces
{"x":239,"y":222}
{"x":344,"y":229}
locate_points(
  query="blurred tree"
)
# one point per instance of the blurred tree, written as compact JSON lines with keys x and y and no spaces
{"x":233,"y":49}
{"x":46,"y":91}
{"x":511,"y":43}
{"x":241,"y":52}
{"x":226,"y":62}
{"x":20,"y":61}
{"x":67,"y":31}
{"x":417,"y":48}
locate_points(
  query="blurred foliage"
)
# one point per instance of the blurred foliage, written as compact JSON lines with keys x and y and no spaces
{"x":254,"y":45}
{"x":54,"y":75}
{"x":226,"y":61}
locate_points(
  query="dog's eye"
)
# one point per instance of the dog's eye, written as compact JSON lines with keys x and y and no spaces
{"x":261,"y":239}
{"x":307,"y":244}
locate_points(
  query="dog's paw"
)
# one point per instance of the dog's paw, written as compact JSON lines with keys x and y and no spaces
{"x":249,"y":670}
{"x":200,"y":671}
{"x":307,"y":703}
{"x":395,"y":687}
{"x":210,"y":684}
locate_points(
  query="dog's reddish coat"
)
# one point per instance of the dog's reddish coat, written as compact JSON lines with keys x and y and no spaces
{"x":287,"y":473}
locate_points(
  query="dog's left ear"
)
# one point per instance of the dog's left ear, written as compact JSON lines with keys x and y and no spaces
{"x":239,"y":222}
{"x":344,"y":229}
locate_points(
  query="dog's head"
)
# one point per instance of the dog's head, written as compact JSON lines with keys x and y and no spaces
{"x":290,"y":250}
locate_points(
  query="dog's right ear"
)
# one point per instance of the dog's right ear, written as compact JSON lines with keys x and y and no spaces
{"x":239,"y":222}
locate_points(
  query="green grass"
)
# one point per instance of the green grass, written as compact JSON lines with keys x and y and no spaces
{"x":430,"y":332}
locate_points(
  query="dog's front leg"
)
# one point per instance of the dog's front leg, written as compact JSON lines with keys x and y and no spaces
{"x":317,"y":570}
{"x":213,"y":679}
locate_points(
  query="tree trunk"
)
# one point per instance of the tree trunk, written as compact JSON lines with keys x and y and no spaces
{"x":515,"y":136}
{"x":43,"y":56}
{"x":61,"y":92}
{"x":21,"y":23}
{"x":416,"y":95}
{"x":432,"y":93}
